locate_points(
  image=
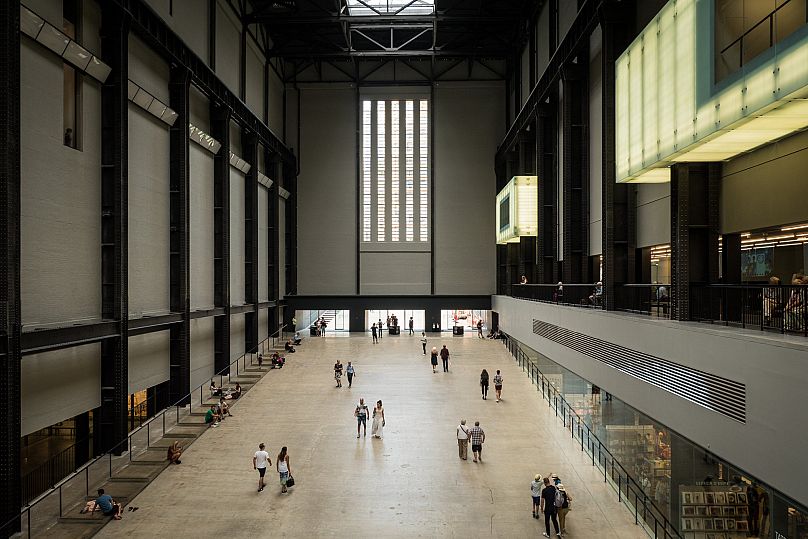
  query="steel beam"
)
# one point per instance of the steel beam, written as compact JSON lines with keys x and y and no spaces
{"x":220,"y":127}
{"x":180,"y":234}
{"x":437,"y":53}
{"x":546,"y":168}
{"x":111,"y":423}
{"x":274,"y":240}
{"x":10,"y":319}
{"x":389,"y":20}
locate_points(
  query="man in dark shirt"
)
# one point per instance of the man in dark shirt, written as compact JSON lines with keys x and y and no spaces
{"x":108,"y":506}
{"x":411,"y":331}
{"x":549,"y":508}
{"x":444,"y":355}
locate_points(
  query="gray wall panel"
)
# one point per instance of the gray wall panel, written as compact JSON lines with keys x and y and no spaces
{"x":199,"y":109}
{"x":653,"y":214}
{"x":275,"y":104}
{"x":263,"y":246}
{"x":59,"y":385}
{"x":464,"y":225}
{"x":228,"y":54}
{"x":202,"y":351}
{"x":255,"y":79}
{"x":189,"y":19}
{"x":327,"y":191}
{"x":395,"y":273}
{"x":238,"y":326}
{"x":263,"y":324}
{"x":543,"y":37}
{"x":766,"y":187}
{"x":773,"y":371}
{"x":148,"y":214}
{"x":149,"y":362}
{"x":237,"y":186}
{"x":147,"y":69}
{"x":60,"y":196}
{"x":202,"y":242}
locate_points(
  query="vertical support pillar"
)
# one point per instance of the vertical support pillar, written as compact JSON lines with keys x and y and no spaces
{"x":82,"y":438}
{"x":220,"y":125}
{"x":250,"y":150}
{"x":180,"y":240}
{"x":527,"y":258}
{"x":619,"y":200}
{"x":112,"y":420}
{"x":274,"y":242}
{"x":290,"y":180}
{"x":731,"y":259}
{"x":10,"y":321}
{"x":575,"y":173}
{"x":546,"y":163}
{"x":694,"y":231}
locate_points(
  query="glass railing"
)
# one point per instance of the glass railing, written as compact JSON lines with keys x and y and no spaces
{"x":69,"y":493}
{"x":628,"y":491}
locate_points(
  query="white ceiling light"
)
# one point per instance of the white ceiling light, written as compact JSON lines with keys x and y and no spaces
{"x":390,"y":7}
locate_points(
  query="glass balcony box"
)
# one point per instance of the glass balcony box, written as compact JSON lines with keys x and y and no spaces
{"x":518,"y":209}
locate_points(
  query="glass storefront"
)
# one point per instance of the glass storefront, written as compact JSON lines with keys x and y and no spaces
{"x":466,"y":318}
{"x":402,"y":315}
{"x":703,"y":496}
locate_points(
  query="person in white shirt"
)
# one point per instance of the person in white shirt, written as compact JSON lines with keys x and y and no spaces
{"x":463,"y":440}
{"x":423,"y":341}
{"x":536,"y":487}
{"x":260,"y":462}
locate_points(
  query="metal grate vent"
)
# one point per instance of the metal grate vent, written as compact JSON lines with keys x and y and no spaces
{"x":727,"y":397}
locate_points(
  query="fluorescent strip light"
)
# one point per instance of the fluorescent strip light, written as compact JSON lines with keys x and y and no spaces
{"x":795,"y":227}
{"x":784,"y":237}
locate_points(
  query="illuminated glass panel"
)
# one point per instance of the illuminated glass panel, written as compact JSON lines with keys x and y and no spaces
{"x":381,"y":176}
{"x":366,"y":169}
{"x":409,"y":170}
{"x":394,"y":171}
{"x":423,"y":167}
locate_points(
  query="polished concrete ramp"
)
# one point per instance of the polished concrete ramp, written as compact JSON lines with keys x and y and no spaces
{"x":409,"y":484}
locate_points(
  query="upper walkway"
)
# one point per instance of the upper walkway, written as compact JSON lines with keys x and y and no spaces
{"x":409,"y":484}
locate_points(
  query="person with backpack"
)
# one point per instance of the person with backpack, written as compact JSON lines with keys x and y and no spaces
{"x":550,"y":502}
{"x":484,"y":383}
{"x":564,"y":509}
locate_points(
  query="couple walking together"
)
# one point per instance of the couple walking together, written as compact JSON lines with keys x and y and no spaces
{"x":361,"y":414}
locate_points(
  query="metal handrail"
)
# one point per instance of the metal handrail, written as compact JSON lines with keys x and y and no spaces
{"x":662,"y":527}
{"x":761,"y":21}
{"x":117,"y":448}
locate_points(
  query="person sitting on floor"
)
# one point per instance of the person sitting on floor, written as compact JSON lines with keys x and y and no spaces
{"x":289,"y":348}
{"x":224,"y":408}
{"x":213,"y":389}
{"x":108,"y":506}
{"x":174,"y":452}
{"x":236,"y":393}
{"x":278,"y":360}
{"x":297,"y":339}
{"x":212,"y":417}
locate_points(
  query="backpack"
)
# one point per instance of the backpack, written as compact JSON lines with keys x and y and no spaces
{"x":559,"y":498}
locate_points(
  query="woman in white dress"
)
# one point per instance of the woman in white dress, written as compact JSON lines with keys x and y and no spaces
{"x":378,"y":420}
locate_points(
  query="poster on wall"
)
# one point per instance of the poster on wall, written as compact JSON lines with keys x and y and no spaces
{"x":756,"y":263}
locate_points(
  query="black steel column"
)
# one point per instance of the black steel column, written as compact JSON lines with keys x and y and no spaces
{"x":547,"y":240}
{"x":112,"y":420}
{"x":290,"y":183}
{"x":619,"y":230}
{"x":695,"y":223}
{"x":274,"y":241}
{"x":575,"y":173}
{"x":220,"y":125}
{"x":731,"y":272}
{"x":10,"y":321}
{"x":82,"y":438}
{"x":180,"y":238}
{"x":250,"y":150}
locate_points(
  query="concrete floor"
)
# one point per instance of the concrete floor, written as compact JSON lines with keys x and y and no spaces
{"x":410,"y":484}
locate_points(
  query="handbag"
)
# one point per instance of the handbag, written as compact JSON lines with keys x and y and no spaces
{"x":290,"y":482}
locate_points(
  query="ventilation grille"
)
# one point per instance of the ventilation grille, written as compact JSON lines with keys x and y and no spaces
{"x":715,"y":393}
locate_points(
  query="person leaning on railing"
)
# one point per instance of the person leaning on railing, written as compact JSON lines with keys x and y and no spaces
{"x":795,"y":308}
{"x":771,"y":302}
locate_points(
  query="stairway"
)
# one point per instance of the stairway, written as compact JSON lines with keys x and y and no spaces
{"x":329,"y":317}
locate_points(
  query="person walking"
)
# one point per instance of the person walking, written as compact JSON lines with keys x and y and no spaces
{"x":564,"y":509}
{"x":323,"y":325}
{"x":444,"y":355}
{"x":498,"y":385}
{"x":378,"y":420}
{"x":477,"y":436}
{"x":373,"y":331}
{"x":480,"y":329}
{"x":536,"y":487}
{"x":284,"y":471}
{"x":423,"y":341}
{"x":463,"y":440}
{"x":411,"y":331}
{"x":338,"y":373}
{"x":434,"y":360}
{"x":349,"y":370}
{"x":381,"y":328}
{"x":484,"y":383}
{"x":361,"y":413}
{"x":260,"y":462}
{"x":548,"y":507}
